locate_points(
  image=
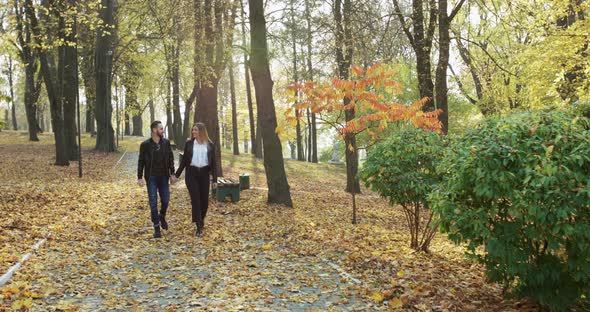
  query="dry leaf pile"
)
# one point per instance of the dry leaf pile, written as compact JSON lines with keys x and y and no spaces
{"x":253,"y":256}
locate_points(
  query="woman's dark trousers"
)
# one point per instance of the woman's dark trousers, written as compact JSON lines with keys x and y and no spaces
{"x":197,"y":182}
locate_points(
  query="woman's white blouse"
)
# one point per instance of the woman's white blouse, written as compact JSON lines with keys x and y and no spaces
{"x":199,"y":155}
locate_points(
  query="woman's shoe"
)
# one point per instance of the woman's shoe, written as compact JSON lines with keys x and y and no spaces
{"x":164,"y":223}
{"x":199,"y":232}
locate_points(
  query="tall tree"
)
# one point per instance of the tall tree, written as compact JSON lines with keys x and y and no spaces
{"x":344,"y":52}
{"x":234,"y":109}
{"x":444,"y":46}
{"x":312,"y":122}
{"x":251,"y":116}
{"x":11,"y":87}
{"x":278,"y":187}
{"x":86,"y":50}
{"x":130,"y":79}
{"x":68,"y":74}
{"x":574,"y":76}
{"x":420,"y":32}
{"x":219,"y":20}
{"x":105,"y":136}
{"x":52,"y":85}
{"x":29,"y":57}
{"x":293,"y":28}
{"x":198,"y":64}
{"x":89,"y":81}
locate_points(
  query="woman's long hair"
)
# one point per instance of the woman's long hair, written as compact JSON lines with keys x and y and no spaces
{"x":204,"y":136}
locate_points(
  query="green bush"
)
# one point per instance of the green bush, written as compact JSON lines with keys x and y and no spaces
{"x":402,"y":169}
{"x":519,"y":188}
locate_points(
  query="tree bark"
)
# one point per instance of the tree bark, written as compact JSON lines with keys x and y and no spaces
{"x":12,"y":98}
{"x":177,"y":123}
{"x":309,"y":133}
{"x":444,"y":43}
{"x":127,"y":123}
{"x":342,"y":16}
{"x":420,"y":37}
{"x":258,"y":146}
{"x":234,"y":109}
{"x":87,"y":43}
{"x":29,"y":57}
{"x":313,"y":134}
{"x":278,"y":187}
{"x":253,"y":129}
{"x":218,"y":35}
{"x":152,"y":110}
{"x":105,"y":136}
{"x":137,"y":124}
{"x":67,"y":75}
{"x":299,"y":142}
{"x":198,"y":66}
{"x":52,"y":88}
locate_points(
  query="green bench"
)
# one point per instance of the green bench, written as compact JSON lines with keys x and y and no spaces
{"x":227,"y":187}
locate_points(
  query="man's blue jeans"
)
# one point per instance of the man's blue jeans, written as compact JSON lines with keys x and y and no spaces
{"x":158,"y":184}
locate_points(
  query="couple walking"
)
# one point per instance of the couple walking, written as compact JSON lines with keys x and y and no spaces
{"x":156,"y":167}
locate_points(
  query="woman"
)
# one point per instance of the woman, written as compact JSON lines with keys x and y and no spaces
{"x":199,"y":160}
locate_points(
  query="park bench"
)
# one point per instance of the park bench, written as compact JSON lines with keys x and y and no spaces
{"x":227,"y":187}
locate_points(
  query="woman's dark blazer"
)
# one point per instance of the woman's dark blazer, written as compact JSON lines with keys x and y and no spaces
{"x":185,"y":160}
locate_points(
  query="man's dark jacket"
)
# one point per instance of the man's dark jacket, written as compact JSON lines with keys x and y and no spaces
{"x":187,"y":157}
{"x":146,"y":155}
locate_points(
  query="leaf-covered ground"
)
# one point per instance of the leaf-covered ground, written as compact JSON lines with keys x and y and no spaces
{"x":253,"y":256}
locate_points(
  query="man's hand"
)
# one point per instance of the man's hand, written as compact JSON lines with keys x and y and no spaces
{"x":140,"y":182}
{"x":173,"y":178}
{"x":214,"y":185}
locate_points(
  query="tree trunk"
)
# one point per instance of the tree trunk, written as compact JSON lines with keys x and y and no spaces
{"x":12,"y":98}
{"x":251,"y":117}
{"x":130,"y":79}
{"x":342,"y":16}
{"x":278,"y":187}
{"x":31,"y":96}
{"x":216,"y":38}
{"x":314,"y":138}
{"x":137,"y":124}
{"x":234,"y":110}
{"x":442,"y":90}
{"x":127,"y":129}
{"x":293,"y":149}
{"x":53,"y":89}
{"x":309,"y":133}
{"x":207,"y":114}
{"x":444,"y":43}
{"x":258,"y":146}
{"x":105,"y":136}
{"x":177,"y":123}
{"x":421,"y":41}
{"x":29,"y":58}
{"x":198,"y":66}
{"x":152,"y":110}
{"x":299,"y":142}
{"x":87,"y":42}
{"x":169,"y":125}
{"x":40,"y":117}
{"x":67,"y":75}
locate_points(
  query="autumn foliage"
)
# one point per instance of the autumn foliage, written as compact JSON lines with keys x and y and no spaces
{"x":372,"y":96}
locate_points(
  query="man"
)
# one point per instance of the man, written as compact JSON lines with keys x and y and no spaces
{"x":156,"y":165}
